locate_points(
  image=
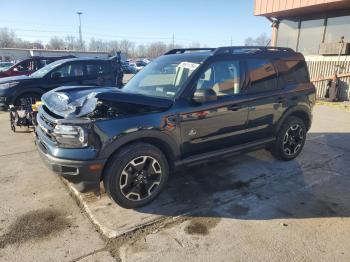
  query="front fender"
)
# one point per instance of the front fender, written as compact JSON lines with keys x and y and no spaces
{"x":152,"y":136}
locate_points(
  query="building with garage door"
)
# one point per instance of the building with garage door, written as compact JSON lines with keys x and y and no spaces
{"x":320,"y":29}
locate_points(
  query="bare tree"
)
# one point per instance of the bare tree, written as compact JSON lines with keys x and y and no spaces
{"x":7,"y":38}
{"x":72,"y":43}
{"x":261,"y":40}
{"x":56,"y":43}
{"x":141,"y":51}
{"x":195,"y":45}
{"x":98,"y":45}
{"x":126,"y":46}
{"x":156,"y":49}
{"x":113,"y":47}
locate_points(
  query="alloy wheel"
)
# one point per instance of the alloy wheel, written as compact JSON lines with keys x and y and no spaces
{"x":293,"y":139}
{"x":140,"y":178}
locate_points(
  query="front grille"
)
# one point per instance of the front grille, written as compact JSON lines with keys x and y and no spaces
{"x":46,"y":123}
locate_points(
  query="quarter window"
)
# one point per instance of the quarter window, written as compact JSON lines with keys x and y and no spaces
{"x":262,"y":76}
{"x":96,"y":69}
{"x":223,"y":77}
{"x":291,"y":72}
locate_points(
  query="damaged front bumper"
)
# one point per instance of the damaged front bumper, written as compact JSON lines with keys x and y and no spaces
{"x":83,"y":173}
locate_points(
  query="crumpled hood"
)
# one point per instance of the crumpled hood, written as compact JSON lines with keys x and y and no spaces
{"x":74,"y":102}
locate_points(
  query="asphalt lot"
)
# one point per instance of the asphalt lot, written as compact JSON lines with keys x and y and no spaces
{"x":248,"y":208}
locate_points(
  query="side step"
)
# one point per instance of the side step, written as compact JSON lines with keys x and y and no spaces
{"x":206,"y":157}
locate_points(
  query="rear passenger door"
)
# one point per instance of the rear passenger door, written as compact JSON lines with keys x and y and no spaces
{"x":266,"y":101}
{"x":98,"y":73}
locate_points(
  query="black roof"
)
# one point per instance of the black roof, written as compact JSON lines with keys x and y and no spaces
{"x":256,"y":51}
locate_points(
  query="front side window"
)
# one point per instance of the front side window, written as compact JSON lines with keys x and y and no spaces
{"x":223,"y":77}
{"x":70,"y":70}
{"x":262,"y":76}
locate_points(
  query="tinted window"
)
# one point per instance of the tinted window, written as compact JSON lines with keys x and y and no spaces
{"x":292,"y":72}
{"x":223,"y":77}
{"x":96,"y":68}
{"x":71,"y":70}
{"x":262,"y":75}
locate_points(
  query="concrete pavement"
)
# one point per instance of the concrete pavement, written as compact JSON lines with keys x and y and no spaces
{"x":247,"y":208}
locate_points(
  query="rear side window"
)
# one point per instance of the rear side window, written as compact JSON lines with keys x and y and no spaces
{"x":262,"y":76}
{"x":292,"y":72}
{"x":94,"y":68}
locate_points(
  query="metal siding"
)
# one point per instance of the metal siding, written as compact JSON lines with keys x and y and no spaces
{"x":322,"y":66}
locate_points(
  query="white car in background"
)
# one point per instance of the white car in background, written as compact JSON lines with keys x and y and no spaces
{"x":138,"y":65}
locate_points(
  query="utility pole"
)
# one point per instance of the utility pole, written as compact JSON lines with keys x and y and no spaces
{"x":173,"y":40}
{"x":80,"y":34}
{"x":231,"y":40}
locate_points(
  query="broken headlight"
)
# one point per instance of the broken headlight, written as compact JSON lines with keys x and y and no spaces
{"x":70,"y":136}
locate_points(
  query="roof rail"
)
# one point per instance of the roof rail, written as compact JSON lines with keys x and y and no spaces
{"x":249,"y":49}
{"x":183,"y":50}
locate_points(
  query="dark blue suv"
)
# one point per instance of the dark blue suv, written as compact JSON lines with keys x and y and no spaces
{"x":189,"y":106}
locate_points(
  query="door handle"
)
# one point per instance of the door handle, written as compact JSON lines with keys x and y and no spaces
{"x":234,"y":107}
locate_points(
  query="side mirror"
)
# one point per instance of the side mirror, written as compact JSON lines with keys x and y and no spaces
{"x":56,"y":75}
{"x":204,"y":95}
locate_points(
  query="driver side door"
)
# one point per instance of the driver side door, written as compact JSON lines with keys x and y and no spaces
{"x":216,"y":124}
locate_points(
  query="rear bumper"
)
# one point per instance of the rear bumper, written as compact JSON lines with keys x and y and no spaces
{"x":85,"y":174}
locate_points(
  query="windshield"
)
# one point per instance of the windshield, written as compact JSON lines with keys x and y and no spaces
{"x":46,"y":69}
{"x":164,"y":77}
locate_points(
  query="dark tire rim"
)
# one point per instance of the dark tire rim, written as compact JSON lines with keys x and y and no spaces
{"x":140,"y":178}
{"x":293,"y":140}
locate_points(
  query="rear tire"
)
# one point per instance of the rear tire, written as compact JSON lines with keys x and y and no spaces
{"x":290,"y":139}
{"x":136,"y":175}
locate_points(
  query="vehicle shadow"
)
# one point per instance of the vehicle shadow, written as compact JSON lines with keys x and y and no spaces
{"x":257,"y":186}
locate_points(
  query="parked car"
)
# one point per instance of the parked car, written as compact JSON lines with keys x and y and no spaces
{"x":138,"y":65}
{"x":73,"y":71}
{"x":5,"y":65}
{"x":30,"y":65}
{"x":217,"y":103}
{"x":128,"y":69}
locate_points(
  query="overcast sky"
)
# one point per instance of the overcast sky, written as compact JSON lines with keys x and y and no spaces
{"x":209,"y":22}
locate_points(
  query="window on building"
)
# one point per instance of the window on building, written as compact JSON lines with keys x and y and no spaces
{"x":311,"y":34}
{"x":288,"y":34}
{"x":262,"y":76}
{"x":336,"y":28}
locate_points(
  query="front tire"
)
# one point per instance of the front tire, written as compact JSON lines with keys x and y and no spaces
{"x":290,"y":139}
{"x":136,"y":175}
